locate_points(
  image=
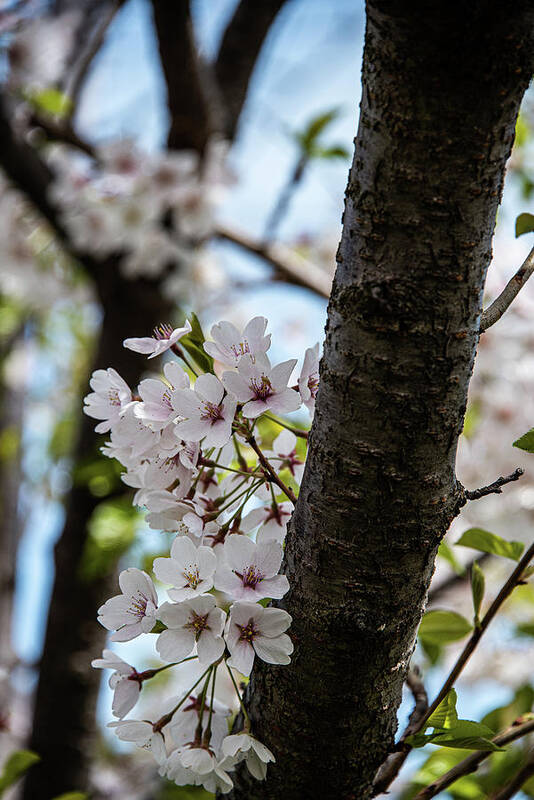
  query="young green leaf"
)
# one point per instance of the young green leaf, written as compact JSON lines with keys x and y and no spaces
{"x":487,"y":542}
{"x":526,"y":442}
{"x":204,"y":361}
{"x":441,"y":627}
{"x":445,"y":715}
{"x":16,"y":765}
{"x":478,"y":585}
{"x":72,"y":796}
{"x":524,"y":224}
{"x":447,"y":553}
{"x":197,"y":334}
{"x":50,"y":100}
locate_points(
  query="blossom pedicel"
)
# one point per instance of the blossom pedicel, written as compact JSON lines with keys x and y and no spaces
{"x":191,"y":447}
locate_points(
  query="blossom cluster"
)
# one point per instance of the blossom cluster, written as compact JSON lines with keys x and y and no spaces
{"x":191,"y":446}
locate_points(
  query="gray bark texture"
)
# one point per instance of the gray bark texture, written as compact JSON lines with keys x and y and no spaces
{"x":442,"y":84}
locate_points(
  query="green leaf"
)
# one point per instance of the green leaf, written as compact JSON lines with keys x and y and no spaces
{"x":447,"y":553}
{"x":526,"y":442}
{"x":464,"y":734}
{"x":441,"y":627}
{"x":16,"y":765}
{"x":329,"y":153}
{"x":204,"y":361}
{"x":445,"y":715}
{"x":308,"y":137}
{"x":487,"y":542}
{"x":50,"y":100}
{"x":197,"y":334}
{"x":524,"y":224}
{"x":478,"y":585}
{"x":72,"y":796}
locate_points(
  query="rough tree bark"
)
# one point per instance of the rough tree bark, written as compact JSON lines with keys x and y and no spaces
{"x":442,"y":84}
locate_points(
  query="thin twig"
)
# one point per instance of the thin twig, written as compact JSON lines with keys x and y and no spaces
{"x":296,"y":431}
{"x":473,"y":761}
{"x":495,"y":311}
{"x":391,"y":767}
{"x":493,"y":488}
{"x":62,"y":132}
{"x":270,"y":471}
{"x":465,"y":655}
{"x":288,"y":265}
{"x":517,"y":781}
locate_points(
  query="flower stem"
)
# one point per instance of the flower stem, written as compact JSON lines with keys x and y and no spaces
{"x":246,"y":725}
{"x":166,"y":718}
{"x":296,"y":431}
{"x":270,"y":471}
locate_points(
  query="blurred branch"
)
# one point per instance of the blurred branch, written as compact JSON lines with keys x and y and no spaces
{"x":238,"y":54}
{"x":190,"y":123}
{"x":517,"y":781}
{"x":289,"y":266}
{"x":96,"y":19}
{"x":284,"y":199}
{"x":61,"y":131}
{"x":391,"y":767}
{"x":33,"y":178}
{"x":455,"y":579}
{"x":473,"y":761}
{"x":495,"y":311}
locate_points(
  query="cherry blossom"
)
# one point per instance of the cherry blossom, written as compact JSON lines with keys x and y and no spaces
{"x":254,"y":630}
{"x":124,"y":682}
{"x":189,"y":570}
{"x":110,"y":396}
{"x":157,"y":409}
{"x":185,"y":723}
{"x":208,"y":415}
{"x":243,"y":746}
{"x":214,"y":777}
{"x":164,"y":338}
{"x":141,"y":733}
{"x":248,"y":571}
{"x":134,"y":611}
{"x":273,"y":520}
{"x":262,"y":387}
{"x":193,"y":621}
{"x":309,"y":378}
{"x":230,"y":344}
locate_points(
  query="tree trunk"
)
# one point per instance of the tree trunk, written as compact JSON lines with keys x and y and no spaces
{"x":442,"y":84}
{"x":64,"y":719}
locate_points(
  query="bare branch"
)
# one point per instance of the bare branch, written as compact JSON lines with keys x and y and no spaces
{"x":495,"y":311}
{"x":238,"y":54}
{"x":289,"y":266}
{"x":391,"y":767}
{"x":513,"y":581}
{"x":493,"y":488}
{"x":190,"y":124}
{"x":473,"y":761}
{"x":517,"y":781}
{"x":61,"y":131}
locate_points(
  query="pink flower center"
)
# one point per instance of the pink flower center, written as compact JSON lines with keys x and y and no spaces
{"x":163,"y":331}
{"x":262,"y":388}
{"x":113,"y":397}
{"x":211,"y":411}
{"x":197,"y":623}
{"x":192,"y":576}
{"x":313,"y":383}
{"x":248,"y":632}
{"x":251,"y":576}
{"x":138,"y":604}
{"x":240,"y":349}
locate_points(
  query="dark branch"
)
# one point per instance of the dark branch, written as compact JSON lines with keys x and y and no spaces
{"x":391,"y":767}
{"x":33,"y":178}
{"x":288,"y":266}
{"x":511,"y":788}
{"x":495,"y":311}
{"x":493,"y":488}
{"x":59,"y":131}
{"x":190,"y":125}
{"x":238,"y":54}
